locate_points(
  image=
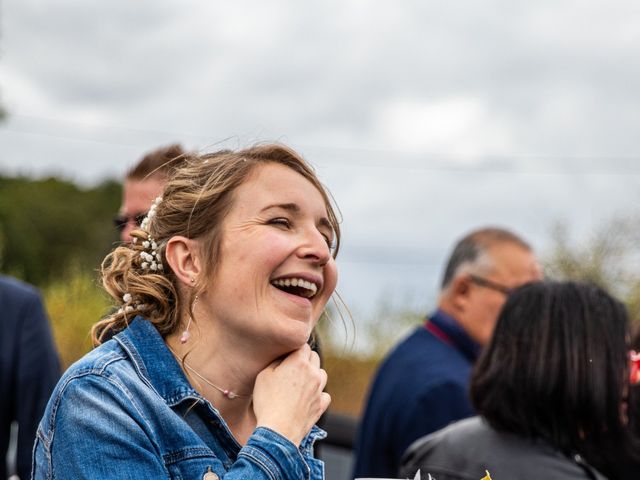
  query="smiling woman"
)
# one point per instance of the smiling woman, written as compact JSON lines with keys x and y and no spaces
{"x":207,"y":372}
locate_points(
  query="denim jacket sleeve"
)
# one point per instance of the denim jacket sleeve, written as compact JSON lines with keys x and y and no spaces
{"x":92,"y":429}
{"x":274,"y":453}
{"x":95,"y":427}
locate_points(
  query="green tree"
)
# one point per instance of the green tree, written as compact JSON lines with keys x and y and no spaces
{"x":48,"y":226}
{"x":609,"y":257}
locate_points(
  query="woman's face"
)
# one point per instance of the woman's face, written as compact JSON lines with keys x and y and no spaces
{"x":275,"y":272}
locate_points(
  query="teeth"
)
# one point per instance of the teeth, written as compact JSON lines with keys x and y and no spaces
{"x":311,"y":287}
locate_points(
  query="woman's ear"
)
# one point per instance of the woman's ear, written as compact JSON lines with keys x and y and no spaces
{"x":183,"y":256}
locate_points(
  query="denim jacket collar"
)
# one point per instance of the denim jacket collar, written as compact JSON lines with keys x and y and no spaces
{"x":155,"y":362}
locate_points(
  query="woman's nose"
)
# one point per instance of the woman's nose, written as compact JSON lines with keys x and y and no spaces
{"x":315,"y":247}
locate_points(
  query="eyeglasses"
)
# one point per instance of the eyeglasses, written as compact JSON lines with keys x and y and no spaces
{"x":120,"y":221}
{"x":485,"y":282}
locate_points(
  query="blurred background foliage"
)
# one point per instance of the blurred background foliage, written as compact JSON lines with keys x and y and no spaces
{"x":74,"y":303}
{"x":51,"y":226}
{"x":54,"y":234}
{"x":610,"y":257}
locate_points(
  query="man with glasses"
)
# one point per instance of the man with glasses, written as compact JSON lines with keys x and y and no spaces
{"x":422,"y":384}
{"x":143,"y":183}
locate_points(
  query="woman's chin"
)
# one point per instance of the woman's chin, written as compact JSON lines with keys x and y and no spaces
{"x":291,"y":342}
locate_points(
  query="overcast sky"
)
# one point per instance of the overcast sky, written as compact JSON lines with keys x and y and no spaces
{"x":424,"y":119}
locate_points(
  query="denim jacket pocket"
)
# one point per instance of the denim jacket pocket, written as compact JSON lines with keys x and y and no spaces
{"x":193,"y":464}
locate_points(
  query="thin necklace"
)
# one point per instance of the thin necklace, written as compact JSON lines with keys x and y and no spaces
{"x":231,"y":395}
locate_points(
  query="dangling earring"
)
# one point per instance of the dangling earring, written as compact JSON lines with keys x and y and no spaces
{"x":185,"y":334}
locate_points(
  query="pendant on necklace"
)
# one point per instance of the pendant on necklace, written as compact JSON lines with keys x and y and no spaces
{"x":229,"y":394}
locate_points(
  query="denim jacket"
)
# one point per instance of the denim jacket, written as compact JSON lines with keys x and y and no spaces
{"x":127,"y":411}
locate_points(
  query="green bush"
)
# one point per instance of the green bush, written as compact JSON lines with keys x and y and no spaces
{"x":74,"y":304}
{"x":46,"y":225}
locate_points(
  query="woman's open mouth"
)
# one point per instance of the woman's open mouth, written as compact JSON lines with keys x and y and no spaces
{"x":296,"y":286}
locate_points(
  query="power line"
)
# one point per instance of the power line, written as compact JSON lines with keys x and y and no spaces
{"x":356,"y":157}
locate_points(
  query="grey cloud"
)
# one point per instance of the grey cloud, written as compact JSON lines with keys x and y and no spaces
{"x":554,"y":82}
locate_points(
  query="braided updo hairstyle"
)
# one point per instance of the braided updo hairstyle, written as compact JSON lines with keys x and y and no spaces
{"x":196,"y":199}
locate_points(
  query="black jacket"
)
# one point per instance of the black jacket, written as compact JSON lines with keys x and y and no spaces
{"x":464,"y":450}
{"x":29,"y":369}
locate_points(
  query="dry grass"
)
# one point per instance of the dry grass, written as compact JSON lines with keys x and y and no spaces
{"x":74,"y":304}
{"x":349,"y":378}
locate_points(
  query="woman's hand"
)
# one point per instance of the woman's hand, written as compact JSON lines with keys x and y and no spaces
{"x":288,"y":396}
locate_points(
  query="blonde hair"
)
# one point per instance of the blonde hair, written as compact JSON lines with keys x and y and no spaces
{"x":195,"y":201}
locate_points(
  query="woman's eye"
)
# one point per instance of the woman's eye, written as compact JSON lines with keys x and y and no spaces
{"x":330,"y":242}
{"x":280,"y":221}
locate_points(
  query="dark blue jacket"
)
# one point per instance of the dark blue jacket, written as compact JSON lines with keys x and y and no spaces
{"x":29,"y":368}
{"x":420,"y":387}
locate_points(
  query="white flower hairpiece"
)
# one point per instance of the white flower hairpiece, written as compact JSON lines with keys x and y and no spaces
{"x":150,"y":261}
{"x":151,"y":213}
{"x":131,"y":304}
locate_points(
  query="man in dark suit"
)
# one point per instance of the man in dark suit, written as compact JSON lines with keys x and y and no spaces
{"x":422,"y":384}
{"x":29,"y":369}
